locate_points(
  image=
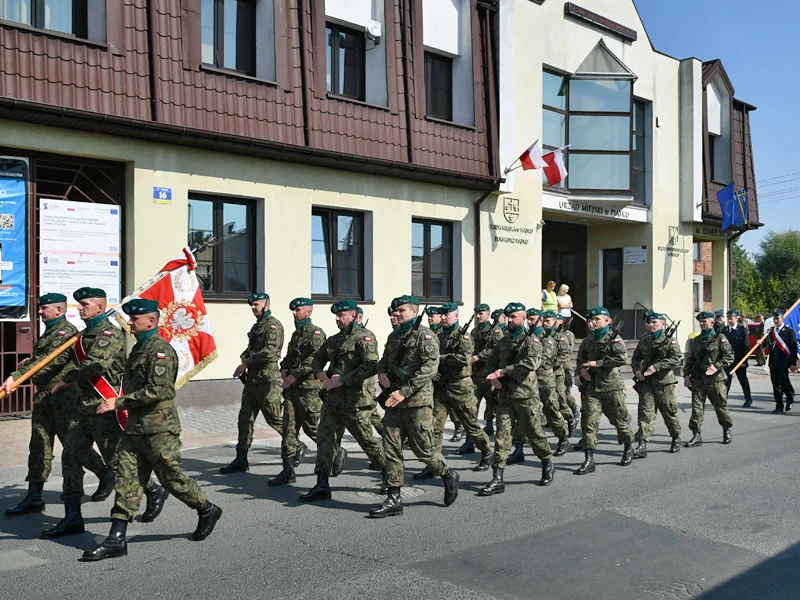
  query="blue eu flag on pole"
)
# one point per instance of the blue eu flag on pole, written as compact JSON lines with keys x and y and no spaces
{"x":793,"y":320}
{"x":734,"y":205}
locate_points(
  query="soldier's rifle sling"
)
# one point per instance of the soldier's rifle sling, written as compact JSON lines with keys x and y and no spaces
{"x":402,"y":352}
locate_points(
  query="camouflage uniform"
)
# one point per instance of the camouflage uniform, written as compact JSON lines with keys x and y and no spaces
{"x":563,"y":357}
{"x":454,"y":390}
{"x":518,"y":354}
{"x":262,"y":388}
{"x":657,"y":391}
{"x":714,"y":349}
{"x":546,"y":380}
{"x":410,"y":360}
{"x":484,"y":337}
{"x":303,"y":403}
{"x":152,"y":434}
{"x":605,"y":393}
{"x":564,"y":382}
{"x":353,"y":355}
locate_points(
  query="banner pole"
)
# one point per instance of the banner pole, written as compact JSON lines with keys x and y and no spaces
{"x":759,"y":342}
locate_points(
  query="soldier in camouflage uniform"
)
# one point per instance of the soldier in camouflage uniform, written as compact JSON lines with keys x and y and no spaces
{"x":511,"y":368}
{"x":653,"y":361}
{"x":152,"y":434}
{"x":600,"y":359}
{"x":546,"y":379}
{"x":375,"y":418}
{"x":51,"y":412}
{"x":434,"y":314}
{"x":485,"y":334}
{"x":301,"y":389}
{"x":453,"y":388}
{"x":406,"y":370}
{"x":534,"y":320}
{"x":583,"y":385}
{"x":704,"y":374}
{"x":351,"y":357}
{"x":564,"y":378}
{"x":261,"y":375}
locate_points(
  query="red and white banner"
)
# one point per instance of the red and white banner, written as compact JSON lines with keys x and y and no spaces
{"x":780,"y":343}
{"x":184,"y":321}
{"x":551,"y":163}
{"x":532,"y":158}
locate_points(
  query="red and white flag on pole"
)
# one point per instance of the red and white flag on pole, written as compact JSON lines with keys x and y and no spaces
{"x":532,"y":158}
{"x":184,"y":322}
{"x":551,"y":163}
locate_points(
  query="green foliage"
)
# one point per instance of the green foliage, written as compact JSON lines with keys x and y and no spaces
{"x":749,"y":293}
{"x":777,"y":266}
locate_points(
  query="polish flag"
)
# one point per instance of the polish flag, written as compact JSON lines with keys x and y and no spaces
{"x":532,"y":158}
{"x":555,"y":171}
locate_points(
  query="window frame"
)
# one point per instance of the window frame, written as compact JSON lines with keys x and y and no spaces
{"x":331,"y":215}
{"x":219,"y":39}
{"x":642,"y":137}
{"x":80,"y":19}
{"x":335,"y":30}
{"x":431,"y":57}
{"x":426,"y":261}
{"x":218,"y":253}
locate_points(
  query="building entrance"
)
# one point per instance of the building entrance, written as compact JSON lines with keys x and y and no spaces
{"x":564,"y":261}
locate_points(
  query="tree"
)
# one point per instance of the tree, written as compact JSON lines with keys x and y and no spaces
{"x":778,"y":268}
{"x":748,"y":294}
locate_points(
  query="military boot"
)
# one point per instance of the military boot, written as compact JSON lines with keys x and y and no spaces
{"x":321,"y":491}
{"x":467,"y":447}
{"x":286,"y":475}
{"x":517,"y":456}
{"x":113,"y":546}
{"x":561,"y":449}
{"x":71,"y":523}
{"x":31,"y":503}
{"x":676,"y":445}
{"x":156,"y":498}
{"x":105,"y":488}
{"x":458,"y":434}
{"x":496,"y":485}
{"x":451,"y":479}
{"x":695,"y":441}
{"x":208,"y":517}
{"x":641,"y":450}
{"x":489,"y":429}
{"x":426,"y":473}
{"x":338,"y":462}
{"x":778,"y":407}
{"x":627,"y":455}
{"x":548,"y":472}
{"x":570,"y":428}
{"x":486,"y":460}
{"x":727,"y":438}
{"x":588,"y":465}
{"x":391,"y":506}
{"x":238,"y":465}
{"x":300,"y":453}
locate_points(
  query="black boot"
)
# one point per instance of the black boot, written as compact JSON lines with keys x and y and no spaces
{"x":641,"y":450}
{"x":391,"y":506}
{"x":458,"y":434}
{"x":778,"y":407}
{"x":113,"y":546}
{"x":486,"y":460}
{"x":338,"y":462}
{"x":300,"y":453}
{"x":695,"y":441}
{"x":238,"y":465}
{"x":105,"y":488}
{"x":209,"y":515}
{"x":426,"y":473}
{"x":451,"y":479}
{"x":321,"y":491}
{"x":286,"y":475}
{"x":517,"y":456}
{"x":467,"y":447}
{"x":31,"y":503}
{"x":71,"y":523}
{"x":156,"y":498}
{"x":727,"y":438}
{"x":561,"y":449}
{"x":627,"y":455}
{"x":489,"y":429}
{"x":588,"y":463}
{"x":548,"y":472}
{"x":496,"y":485}
{"x":747,"y":403}
{"x":676,"y":445}
{"x":788,"y":406}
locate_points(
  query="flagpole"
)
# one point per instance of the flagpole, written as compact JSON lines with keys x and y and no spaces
{"x":759,"y":342}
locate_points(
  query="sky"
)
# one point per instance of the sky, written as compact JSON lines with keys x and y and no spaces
{"x":758,"y":45}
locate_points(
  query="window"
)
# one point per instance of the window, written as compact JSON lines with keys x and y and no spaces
{"x":639,"y":186}
{"x":432,"y":260}
{"x":66,"y":16}
{"x":228,"y":267}
{"x":337,"y":254}
{"x":345,"y":56}
{"x":229,"y":34}
{"x":439,"y":86}
{"x":612,"y":278}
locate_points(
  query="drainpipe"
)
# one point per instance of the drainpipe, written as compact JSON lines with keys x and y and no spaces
{"x":301,"y":26}
{"x":406,"y":81}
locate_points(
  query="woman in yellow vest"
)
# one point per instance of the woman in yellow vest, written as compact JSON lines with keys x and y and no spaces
{"x":549,"y":300}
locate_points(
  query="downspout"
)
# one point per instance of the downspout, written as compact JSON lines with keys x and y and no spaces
{"x":301,"y":21}
{"x":406,"y":81}
{"x":151,"y":60}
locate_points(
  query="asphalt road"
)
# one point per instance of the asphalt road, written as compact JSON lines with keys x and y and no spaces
{"x":713,"y":522}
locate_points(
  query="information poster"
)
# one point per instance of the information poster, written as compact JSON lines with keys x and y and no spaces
{"x":13,"y":238}
{"x":635,"y":255}
{"x":79,"y":246}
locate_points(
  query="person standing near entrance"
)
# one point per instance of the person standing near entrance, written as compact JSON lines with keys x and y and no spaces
{"x":782,"y":342}
{"x":739,"y":338}
{"x":761,"y":358}
{"x":549,"y":298}
{"x":564,"y":305}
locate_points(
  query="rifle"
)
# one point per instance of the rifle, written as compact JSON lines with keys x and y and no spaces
{"x":465,"y":328}
{"x":386,"y":392}
{"x":616,"y":327}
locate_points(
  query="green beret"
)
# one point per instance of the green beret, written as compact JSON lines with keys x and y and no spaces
{"x":534,"y":312}
{"x":255,"y":296}
{"x":390,"y":310}
{"x":496,"y":313}
{"x":707,"y":314}
{"x":344,"y":305}
{"x":405,"y":299}
{"x":448,"y":307}
{"x":482,"y":307}
{"x":52,"y":298}
{"x":360,"y":310}
{"x":653,"y":315}
{"x":140,"y":306}
{"x":433,"y":310}
{"x":549,"y":314}
{"x":88,"y":292}
{"x":513,"y":307}
{"x":599,"y":311}
{"x":298,"y":302}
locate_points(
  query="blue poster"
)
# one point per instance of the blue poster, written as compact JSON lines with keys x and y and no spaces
{"x":13,"y":238}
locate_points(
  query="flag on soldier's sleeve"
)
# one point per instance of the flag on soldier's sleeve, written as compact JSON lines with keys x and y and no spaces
{"x":184,"y":321}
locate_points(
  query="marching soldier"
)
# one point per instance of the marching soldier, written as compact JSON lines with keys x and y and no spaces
{"x":600,"y":358}
{"x":261,"y":375}
{"x":511,"y":368}
{"x":653,"y":363}
{"x":565,"y":381}
{"x":499,"y":317}
{"x":152,"y":434}
{"x":406,"y":370}
{"x":484,"y":337}
{"x":302,"y":402}
{"x":534,"y":320}
{"x":563,"y":356}
{"x":351,"y":357}
{"x":545,"y":376}
{"x":782,"y":357}
{"x":51,"y":411}
{"x":704,"y":374}
{"x":583,"y":385}
{"x":375,"y":418}
{"x":739,"y":338}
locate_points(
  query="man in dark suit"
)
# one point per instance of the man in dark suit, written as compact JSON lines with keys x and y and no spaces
{"x":782,"y":342}
{"x":739,"y":338}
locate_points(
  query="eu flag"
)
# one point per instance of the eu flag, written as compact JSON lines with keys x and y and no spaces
{"x":726,"y":197}
{"x":793,"y":320}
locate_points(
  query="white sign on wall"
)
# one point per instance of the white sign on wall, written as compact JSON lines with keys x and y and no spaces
{"x":635,"y":255}
{"x":79,"y":245}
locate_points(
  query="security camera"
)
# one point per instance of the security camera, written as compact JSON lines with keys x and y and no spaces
{"x":373,"y":31}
